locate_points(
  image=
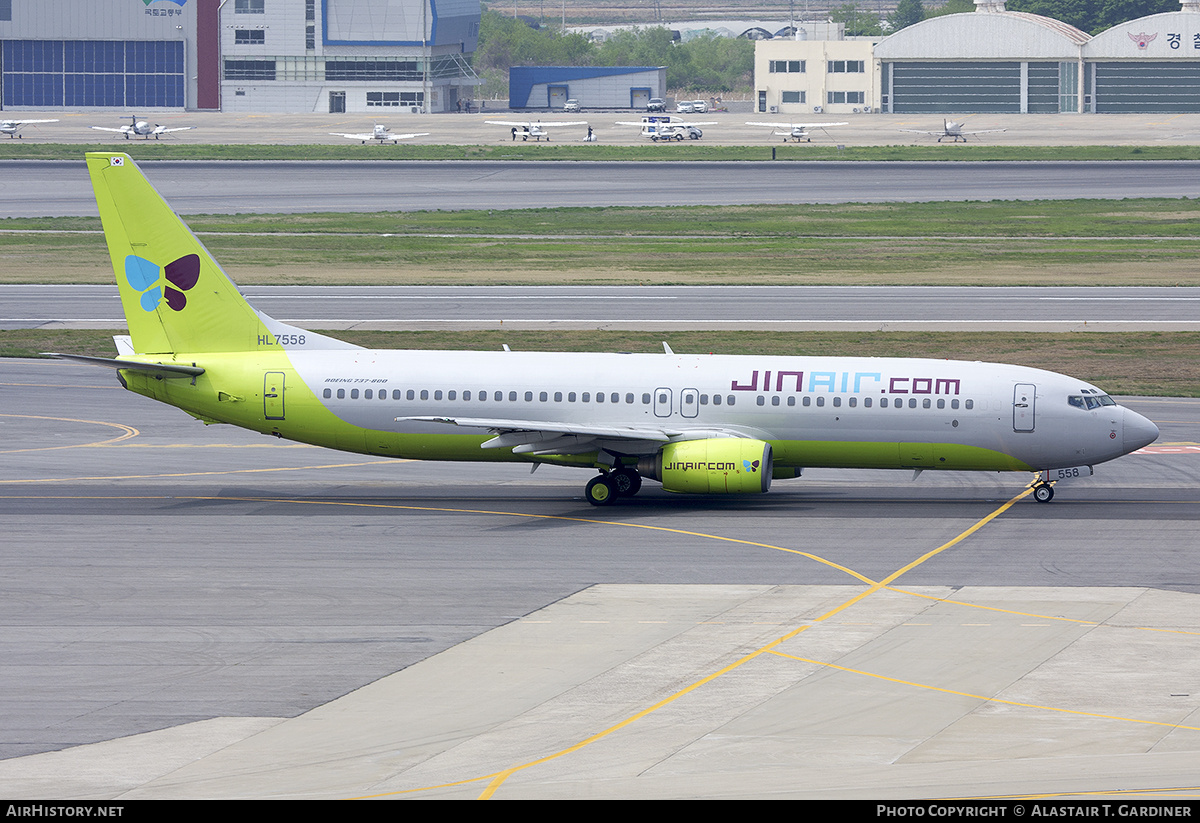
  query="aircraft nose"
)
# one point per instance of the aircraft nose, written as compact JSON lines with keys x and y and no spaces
{"x":1137,"y":431}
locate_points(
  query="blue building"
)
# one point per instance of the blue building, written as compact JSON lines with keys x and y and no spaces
{"x":595,"y":87}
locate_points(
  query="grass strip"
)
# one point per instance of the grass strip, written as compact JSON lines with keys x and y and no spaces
{"x":1076,"y":242}
{"x":1143,"y":218}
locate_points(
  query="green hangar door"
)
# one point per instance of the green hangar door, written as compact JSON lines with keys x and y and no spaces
{"x":946,"y":88}
{"x":1147,"y":87}
{"x":997,"y":88}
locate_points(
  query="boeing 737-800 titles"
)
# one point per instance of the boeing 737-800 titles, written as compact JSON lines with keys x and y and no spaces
{"x":708,"y":424}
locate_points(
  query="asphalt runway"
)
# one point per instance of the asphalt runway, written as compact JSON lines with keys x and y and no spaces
{"x":31,"y":188}
{"x":673,"y":308}
{"x":270,"y":620}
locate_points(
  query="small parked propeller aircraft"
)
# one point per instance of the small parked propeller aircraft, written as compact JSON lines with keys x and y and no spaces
{"x":381,"y":134}
{"x":141,"y":128}
{"x":529,"y":128}
{"x":952,"y":130}
{"x":796,"y":131}
{"x":13,"y":127}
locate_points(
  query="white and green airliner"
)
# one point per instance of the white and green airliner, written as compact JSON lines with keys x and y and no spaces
{"x":707,"y":424}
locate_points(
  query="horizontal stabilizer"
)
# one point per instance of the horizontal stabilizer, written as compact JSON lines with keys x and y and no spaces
{"x":164,"y":370}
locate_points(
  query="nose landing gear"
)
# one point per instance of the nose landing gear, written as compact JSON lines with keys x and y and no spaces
{"x":1043,"y":492}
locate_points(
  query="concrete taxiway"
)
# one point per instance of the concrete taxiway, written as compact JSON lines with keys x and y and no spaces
{"x":198,"y":611}
{"x":33,"y":188}
{"x":665,"y":308}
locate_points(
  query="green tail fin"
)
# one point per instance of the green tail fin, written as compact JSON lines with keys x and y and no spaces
{"x":175,"y":295}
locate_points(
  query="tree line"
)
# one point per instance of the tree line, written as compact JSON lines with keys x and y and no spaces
{"x":1091,"y":16}
{"x":709,"y":64}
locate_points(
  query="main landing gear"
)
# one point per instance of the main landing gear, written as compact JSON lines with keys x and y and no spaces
{"x":604,"y":489}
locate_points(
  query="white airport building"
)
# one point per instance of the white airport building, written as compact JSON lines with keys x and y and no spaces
{"x":990,"y":60}
{"x":371,"y":56}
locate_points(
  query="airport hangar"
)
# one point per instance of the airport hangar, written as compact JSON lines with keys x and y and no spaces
{"x":990,"y":60}
{"x":595,"y":87}
{"x":294,"y":56}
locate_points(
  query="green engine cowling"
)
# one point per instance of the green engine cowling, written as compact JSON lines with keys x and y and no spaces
{"x":714,"y":466}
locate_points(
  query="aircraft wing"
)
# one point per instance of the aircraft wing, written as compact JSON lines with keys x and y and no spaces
{"x":527,"y":124}
{"x":121,"y":130}
{"x":798,"y":125}
{"x":930,"y":133}
{"x":388,"y":136}
{"x":161,"y":130}
{"x":538,"y":437}
{"x":545,"y":437}
{"x":985,"y":131}
{"x":30,"y":122}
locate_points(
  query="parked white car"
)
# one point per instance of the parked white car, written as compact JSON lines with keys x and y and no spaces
{"x":699,"y":106}
{"x":685,"y":107}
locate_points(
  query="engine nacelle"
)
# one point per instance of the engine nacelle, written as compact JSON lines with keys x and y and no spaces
{"x":714,"y":466}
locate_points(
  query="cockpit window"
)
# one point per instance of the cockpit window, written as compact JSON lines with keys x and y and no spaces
{"x":1090,"y":401}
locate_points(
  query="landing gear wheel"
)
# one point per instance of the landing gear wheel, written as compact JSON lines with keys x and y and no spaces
{"x":626,"y":482}
{"x":1043,"y":493}
{"x":600,"y":491}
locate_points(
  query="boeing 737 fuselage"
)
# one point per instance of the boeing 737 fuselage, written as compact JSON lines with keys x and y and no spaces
{"x":707,"y":424}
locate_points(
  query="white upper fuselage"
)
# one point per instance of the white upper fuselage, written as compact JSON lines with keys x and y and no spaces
{"x":1017,"y":411}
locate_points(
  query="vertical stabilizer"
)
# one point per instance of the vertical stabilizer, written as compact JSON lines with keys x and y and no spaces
{"x":175,"y":296}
